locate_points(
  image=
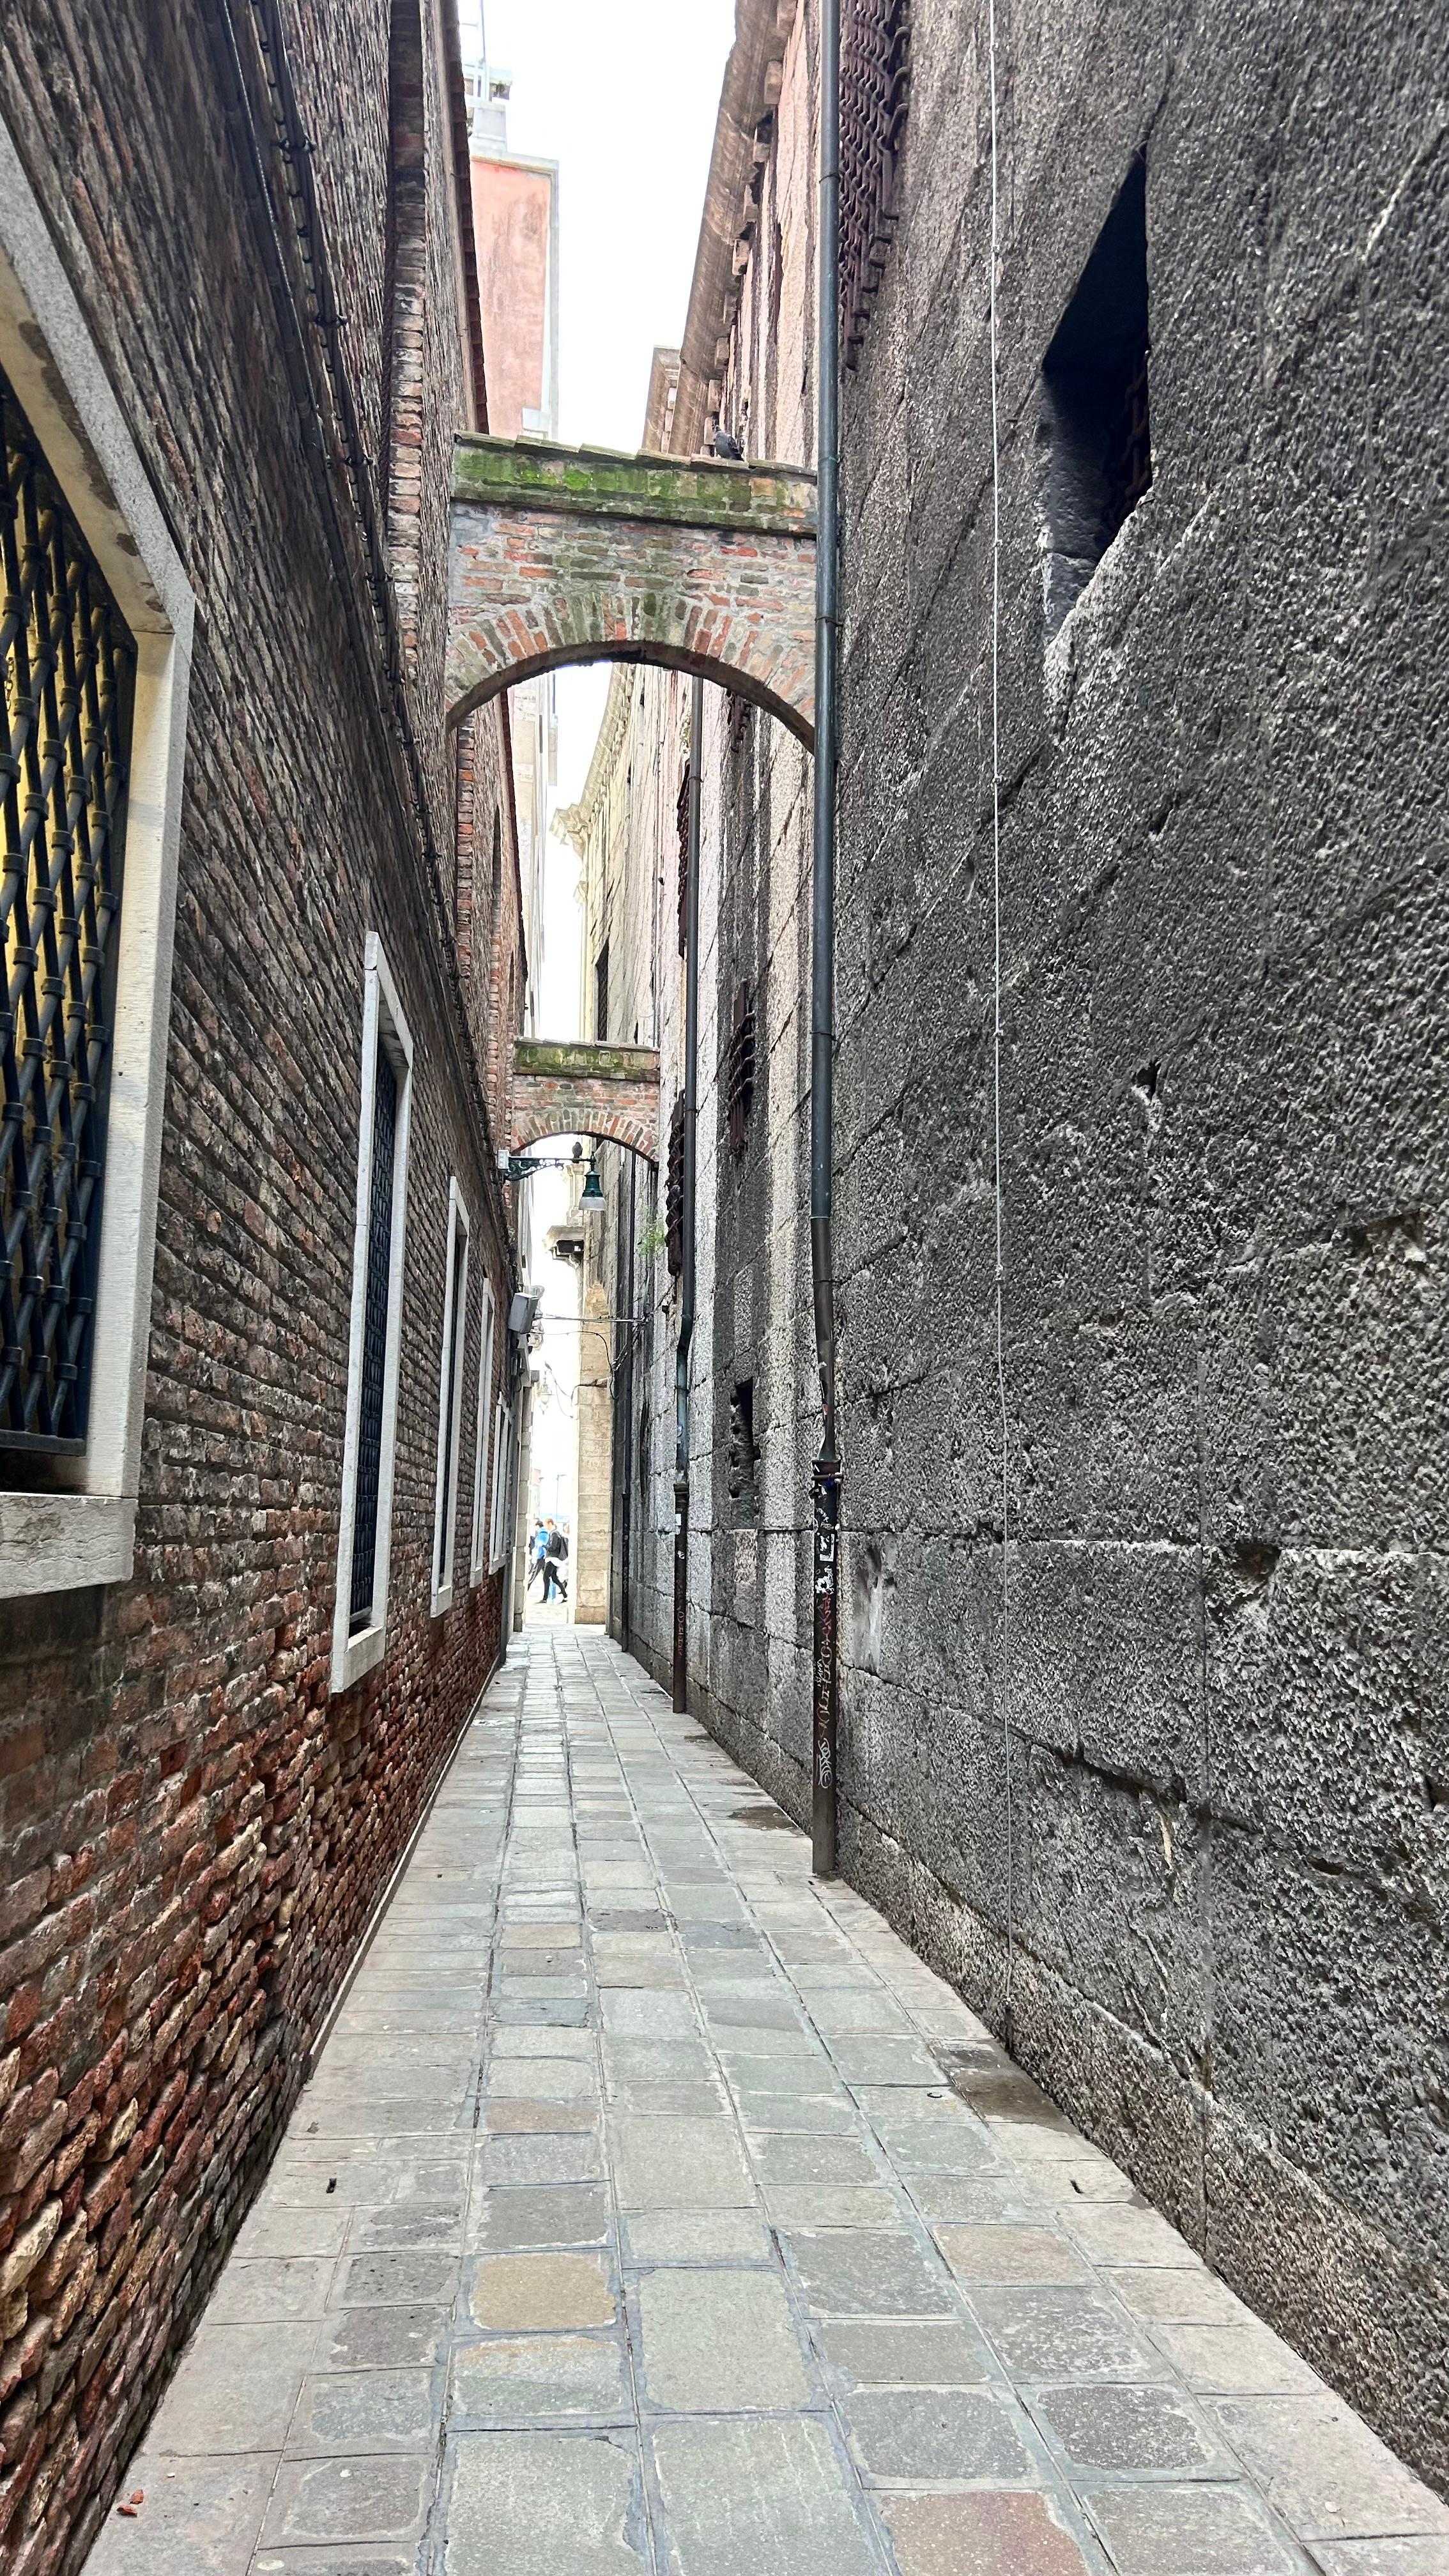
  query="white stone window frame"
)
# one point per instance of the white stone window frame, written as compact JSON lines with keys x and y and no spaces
{"x":450,"y":1416}
{"x":503,"y":1434}
{"x":384,"y":1024}
{"x":83,"y":1529}
{"x":487,"y":1330}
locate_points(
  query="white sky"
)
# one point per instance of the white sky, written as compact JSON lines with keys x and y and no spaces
{"x":623,"y":94}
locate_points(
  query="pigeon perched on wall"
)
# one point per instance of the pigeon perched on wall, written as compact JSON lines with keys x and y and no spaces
{"x":728,"y":447}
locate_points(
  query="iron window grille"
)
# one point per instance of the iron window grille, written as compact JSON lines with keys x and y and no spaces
{"x":742,"y":1457}
{"x":69,"y":667}
{"x":374,"y":1343}
{"x":681,"y":818}
{"x":875,"y":76}
{"x":740,"y":1067}
{"x":738,"y":723}
{"x":601,"y":994}
{"x":674,"y":1191}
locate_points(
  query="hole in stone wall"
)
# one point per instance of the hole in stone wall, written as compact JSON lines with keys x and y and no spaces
{"x":1095,"y":431}
{"x":742,"y":1459}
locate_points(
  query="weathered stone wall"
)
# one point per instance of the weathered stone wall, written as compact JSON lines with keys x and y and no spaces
{"x":194,"y":1832}
{"x":1223,"y":988}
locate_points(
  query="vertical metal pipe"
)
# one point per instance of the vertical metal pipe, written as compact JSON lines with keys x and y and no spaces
{"x":629,"y":1443}
{"x":826,"y":1586}
{"x":686,"y":1298}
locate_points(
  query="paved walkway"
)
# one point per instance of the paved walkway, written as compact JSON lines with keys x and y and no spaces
{"x":631,"y":2224}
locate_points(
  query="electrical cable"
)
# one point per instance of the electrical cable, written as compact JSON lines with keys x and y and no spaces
{"x":1005,"y":1657}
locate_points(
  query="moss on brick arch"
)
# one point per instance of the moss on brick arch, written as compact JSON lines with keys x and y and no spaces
{"x":561,"y":555}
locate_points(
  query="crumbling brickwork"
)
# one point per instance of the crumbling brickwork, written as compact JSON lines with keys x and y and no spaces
{"x":195,"y":1831}
{"x":1221,"y":1889}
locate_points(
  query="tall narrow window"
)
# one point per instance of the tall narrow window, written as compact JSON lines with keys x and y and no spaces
{"x":450,"y":1399}
{"x":740,"y":1067}
{"x":601,"y":994}
{"x":374,"y":1341}
{"x":674,"y":1190}
{"x":1096,"y":433}
{"x":69,"y":665}
{"x":742,"y":1458}
{"x":364,"y":1551}
{"x":504,"y":1450}
{"x":481,"y":1547}
{"x":403,"y":319}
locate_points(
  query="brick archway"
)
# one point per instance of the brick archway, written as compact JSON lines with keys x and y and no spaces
{"x":579,"y":555}
{"x":574,"y":1088}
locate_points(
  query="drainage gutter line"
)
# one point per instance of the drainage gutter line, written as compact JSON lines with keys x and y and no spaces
{"x":826,"y":1571}
{"x":687,"y":1284}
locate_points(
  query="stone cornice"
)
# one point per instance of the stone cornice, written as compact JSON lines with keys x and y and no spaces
{"x":606,"y":483}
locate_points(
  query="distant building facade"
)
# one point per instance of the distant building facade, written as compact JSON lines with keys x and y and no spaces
{"x":1157,"y":1772}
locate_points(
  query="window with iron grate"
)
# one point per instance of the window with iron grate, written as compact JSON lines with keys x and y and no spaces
{"x":674,"y":1191}
{"x":69,"y":665}
{"x":372,"y":1404}
{"x":601,"y":994}
{"x":681,"y":816}
{"x":740,"y":1067}
{"x":742,"y":1458}
{"x":737,"y":723}
{"x":875,"y":71}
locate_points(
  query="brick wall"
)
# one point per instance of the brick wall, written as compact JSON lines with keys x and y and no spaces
{"x":194,"y":1830}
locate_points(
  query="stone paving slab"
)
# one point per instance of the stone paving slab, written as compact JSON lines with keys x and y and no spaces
{"x":654,"y":2212}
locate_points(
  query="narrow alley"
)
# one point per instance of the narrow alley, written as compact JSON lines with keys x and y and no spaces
{"x":653,"y":2206}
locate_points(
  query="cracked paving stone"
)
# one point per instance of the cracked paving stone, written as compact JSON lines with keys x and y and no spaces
{"x":766,"y":2498}
{"x":347,"y":2500}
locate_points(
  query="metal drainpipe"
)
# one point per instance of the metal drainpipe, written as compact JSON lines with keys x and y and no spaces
{"x":686,"y":1300}
{"x":822,"y":996}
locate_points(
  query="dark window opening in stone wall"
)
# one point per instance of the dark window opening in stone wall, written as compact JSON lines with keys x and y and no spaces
{"x":497,"y":890}
{"x":738,"y":723}
{"x":601,"y":994}
{"x":742,"y":1459}
{"x":740,"y":1067}
{"x":674,"y":1191}
{"x":69,"y":666}
{"x":875,"y":75}
{"x":1095,"y":430}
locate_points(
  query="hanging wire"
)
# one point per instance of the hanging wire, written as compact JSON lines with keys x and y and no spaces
{"x":1005,"y":1656}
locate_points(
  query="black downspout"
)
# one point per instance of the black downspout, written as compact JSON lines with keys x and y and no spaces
{"x":686,"y":1299}
{"x":822,"y":996}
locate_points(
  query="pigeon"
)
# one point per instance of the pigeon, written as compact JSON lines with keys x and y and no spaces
{"x":728,"y":447}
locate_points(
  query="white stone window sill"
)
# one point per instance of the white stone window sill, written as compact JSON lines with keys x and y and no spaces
{"x":60,"y":1542}
{"x":442,"y":1600}
{"x":357,"y":1656}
